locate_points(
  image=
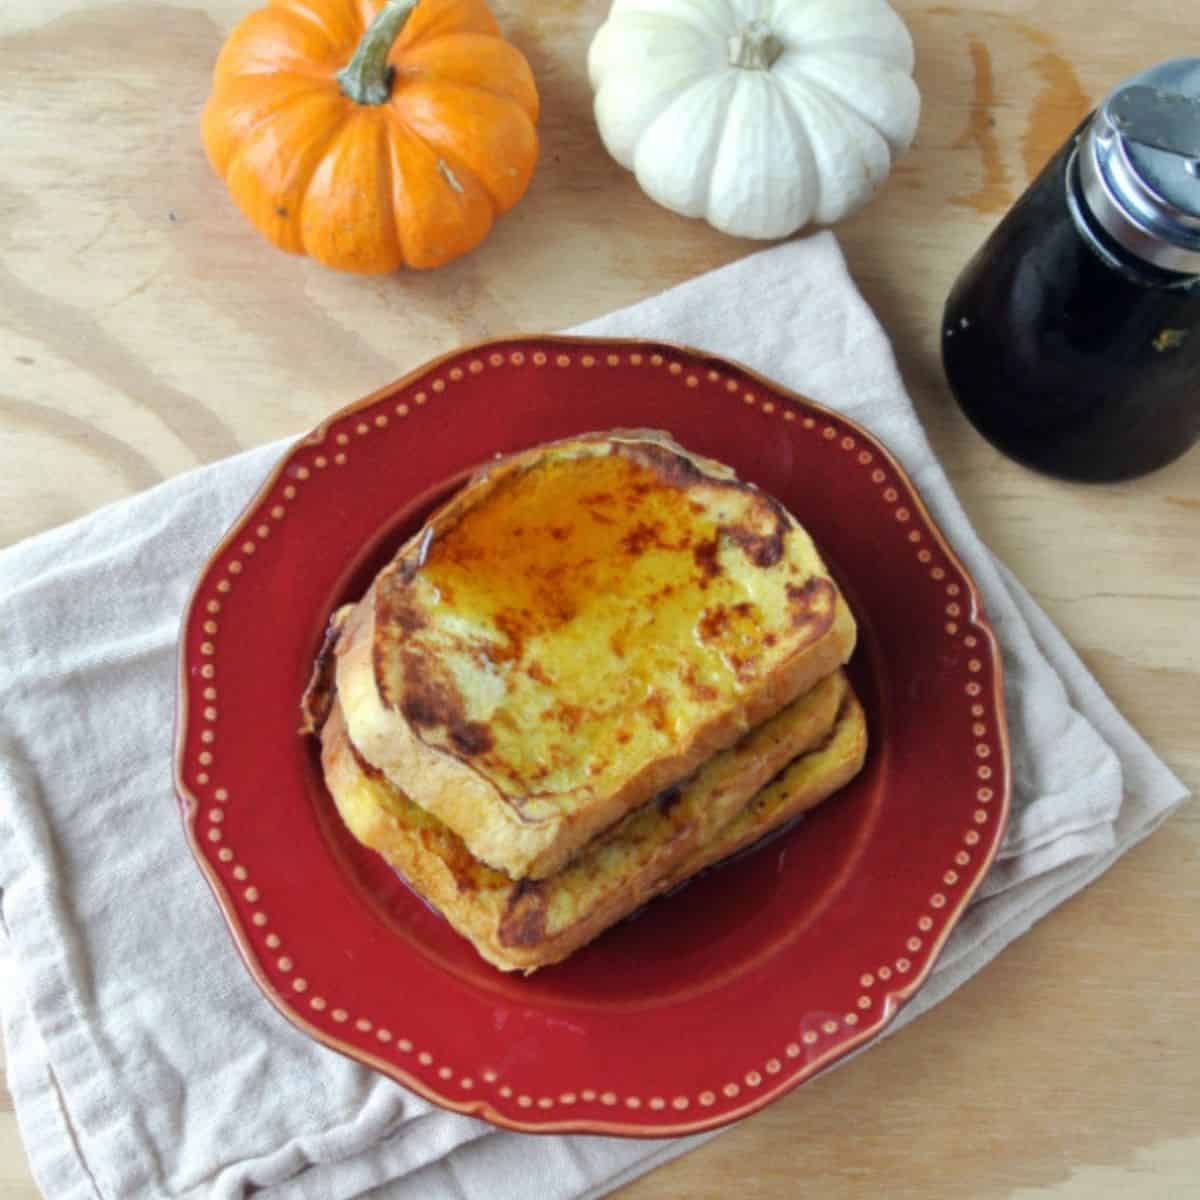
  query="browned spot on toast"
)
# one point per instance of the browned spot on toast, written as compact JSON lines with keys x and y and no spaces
{"x":569,"y":716}
{"x":705,"y":554}
{"x":716,"y":621}
{"x":696,"y":687}
{"x":536,"y":671}
{"x":641,"y":538}
{"x":656,"y":705}
{"x":317,"y":701}
{"x":524,"y":920}
{"x":431,"y":700}
{"x":515,"y":624}
{"x":673,"y":469}
{"x":762,"y":549}
{"x":396,"y":607}
{"x":812,"y":599}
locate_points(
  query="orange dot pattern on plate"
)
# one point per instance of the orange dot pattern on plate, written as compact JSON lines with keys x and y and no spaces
{"x":792,"y":1050}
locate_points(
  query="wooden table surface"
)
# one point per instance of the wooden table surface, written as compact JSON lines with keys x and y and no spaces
{"x":145,"y":329}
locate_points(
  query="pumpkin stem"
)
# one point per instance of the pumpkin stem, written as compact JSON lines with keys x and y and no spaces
{"x":367,"y":77}
{"x":756,"y":48}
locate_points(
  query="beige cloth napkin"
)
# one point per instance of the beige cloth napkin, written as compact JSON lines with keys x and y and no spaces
{"x":142,"y":1058}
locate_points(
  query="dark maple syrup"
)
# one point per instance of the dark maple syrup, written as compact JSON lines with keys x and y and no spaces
{"x":1065,"y":342}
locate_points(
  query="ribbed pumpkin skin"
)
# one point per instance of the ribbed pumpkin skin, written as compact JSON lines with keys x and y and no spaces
{"x":415,"y":181}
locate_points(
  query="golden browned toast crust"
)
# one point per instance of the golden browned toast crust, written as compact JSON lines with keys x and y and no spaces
{"x":579,"y":628}
{"x":790,"y":762}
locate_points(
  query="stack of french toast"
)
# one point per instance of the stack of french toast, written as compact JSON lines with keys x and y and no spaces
{"x":601,"y":667}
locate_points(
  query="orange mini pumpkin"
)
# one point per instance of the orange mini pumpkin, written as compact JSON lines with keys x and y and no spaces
{"x":372,"y":134}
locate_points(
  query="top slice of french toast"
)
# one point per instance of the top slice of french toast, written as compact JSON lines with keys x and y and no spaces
{"x":579,"y":628}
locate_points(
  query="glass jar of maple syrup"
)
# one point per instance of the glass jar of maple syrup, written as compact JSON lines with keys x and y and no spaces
{"x":1072,"y":339}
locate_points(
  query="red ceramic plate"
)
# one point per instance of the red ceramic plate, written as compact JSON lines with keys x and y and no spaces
{"x":710,"y":1003}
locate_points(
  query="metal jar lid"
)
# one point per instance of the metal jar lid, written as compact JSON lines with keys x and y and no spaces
{"x":1139,"y":165}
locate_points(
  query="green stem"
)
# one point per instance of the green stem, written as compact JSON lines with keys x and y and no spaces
{"x":755,"y":48}
{"x":367,"y":77}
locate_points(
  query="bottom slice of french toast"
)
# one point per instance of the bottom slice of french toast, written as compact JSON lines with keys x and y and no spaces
{"x":778,"y":770}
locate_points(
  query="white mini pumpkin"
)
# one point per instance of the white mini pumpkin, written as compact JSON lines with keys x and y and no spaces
{"x":758,"y":115}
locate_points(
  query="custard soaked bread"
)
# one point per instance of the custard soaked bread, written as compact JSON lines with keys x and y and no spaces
{"x":786,"y":765}
{"x":580,"y":628}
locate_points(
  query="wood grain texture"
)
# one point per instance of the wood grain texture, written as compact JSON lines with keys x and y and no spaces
{"x":144,"y":328}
